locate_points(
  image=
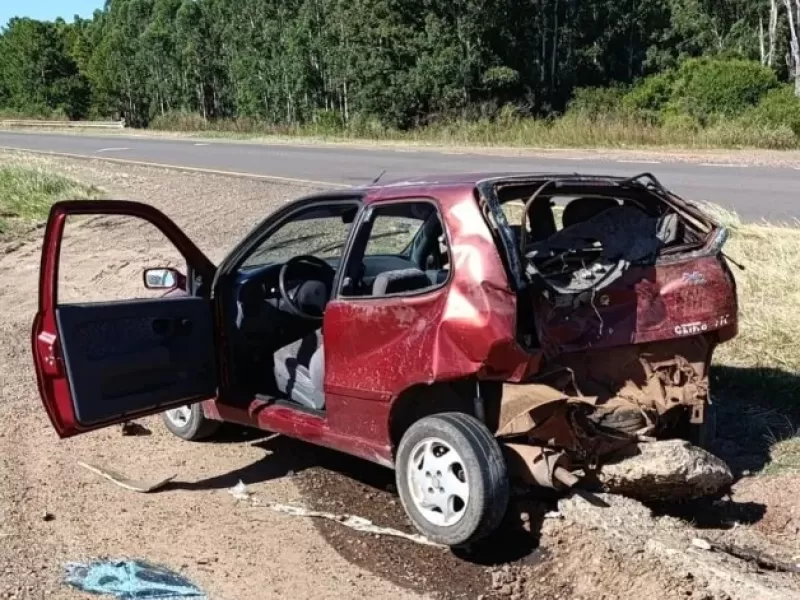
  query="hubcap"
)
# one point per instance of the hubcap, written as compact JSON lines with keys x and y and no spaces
{"x":180,"y":416}
{"x":438,"y":482}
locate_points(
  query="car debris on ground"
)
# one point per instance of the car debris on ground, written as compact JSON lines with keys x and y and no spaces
{"x":130,"y":579}
{"x":127,"y":483}
{"x":241,"y":492}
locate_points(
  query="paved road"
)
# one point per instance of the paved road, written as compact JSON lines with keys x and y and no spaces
{"x":754,"y":192}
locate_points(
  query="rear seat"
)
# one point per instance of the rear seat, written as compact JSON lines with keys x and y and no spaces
{"x":402,"y":280}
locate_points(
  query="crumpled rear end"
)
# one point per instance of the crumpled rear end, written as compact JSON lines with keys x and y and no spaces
{"x":628,"y":302}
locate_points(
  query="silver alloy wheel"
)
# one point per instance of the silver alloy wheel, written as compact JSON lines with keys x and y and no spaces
{"x":438,"y":482}
{"x":180,"y":416}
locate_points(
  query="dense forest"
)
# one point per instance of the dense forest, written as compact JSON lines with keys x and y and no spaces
{"x":403,"y":63}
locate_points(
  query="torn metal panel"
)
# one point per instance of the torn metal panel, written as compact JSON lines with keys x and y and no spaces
{"x":612,"y":399}
{"x":520,"y":409}
{"x":655,"y":377}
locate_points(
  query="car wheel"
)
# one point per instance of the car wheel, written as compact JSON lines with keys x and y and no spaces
{"x":452,"y":479}
{"x":189,"y":423}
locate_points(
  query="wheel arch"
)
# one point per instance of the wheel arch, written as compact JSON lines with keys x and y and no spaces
{"x":424,"y":400}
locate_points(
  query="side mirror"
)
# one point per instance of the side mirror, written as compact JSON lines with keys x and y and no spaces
{"x":349,"y":215}
{"x":161,"y":279}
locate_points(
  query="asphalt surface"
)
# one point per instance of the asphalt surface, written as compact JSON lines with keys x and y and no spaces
{"x":755,"y":192}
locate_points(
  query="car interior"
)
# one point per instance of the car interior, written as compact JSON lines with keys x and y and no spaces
{"x":575,"y":236}
{"x":283,"y":286}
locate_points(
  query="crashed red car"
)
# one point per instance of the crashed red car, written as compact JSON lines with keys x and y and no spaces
{"x":461,"y":329}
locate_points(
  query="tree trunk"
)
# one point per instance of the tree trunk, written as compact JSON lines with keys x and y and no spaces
{"x":794,"y":32}
{"x":346,"y":103}
{"x":773,"y":31}
{"x":554,"y":57}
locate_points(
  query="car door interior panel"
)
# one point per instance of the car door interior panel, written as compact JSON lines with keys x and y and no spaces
{"x":124,"y":357}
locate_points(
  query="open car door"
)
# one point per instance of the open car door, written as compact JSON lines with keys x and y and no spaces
{"x":104,"y":363}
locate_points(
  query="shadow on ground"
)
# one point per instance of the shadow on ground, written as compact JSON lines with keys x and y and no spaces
{"x":712,"y":513}
{"x":341,"y":484}
{"x":756,"y":408}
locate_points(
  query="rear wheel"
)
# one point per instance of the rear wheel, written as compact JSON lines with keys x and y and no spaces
{"x":189,"y":423}
{"x":452,"y":479}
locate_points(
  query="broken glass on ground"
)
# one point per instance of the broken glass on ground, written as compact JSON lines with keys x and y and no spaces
{"x":130,"y":580}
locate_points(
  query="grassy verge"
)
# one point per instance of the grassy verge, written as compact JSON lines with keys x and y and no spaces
{"x":26,"y":195}
{"x":570,"y":131}
{"x":756,"y":378}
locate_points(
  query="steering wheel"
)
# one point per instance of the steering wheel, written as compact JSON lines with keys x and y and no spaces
{"x":310,"y":297}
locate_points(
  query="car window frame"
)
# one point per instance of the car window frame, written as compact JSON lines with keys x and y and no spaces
{"x":276,"y":227}
{"x":275,"y":220}
{"x":363,"y":218}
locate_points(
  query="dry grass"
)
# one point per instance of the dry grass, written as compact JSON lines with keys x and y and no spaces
{"x":508,"y":130}
{"x":757,"y":374}
{"x":769,"y":291}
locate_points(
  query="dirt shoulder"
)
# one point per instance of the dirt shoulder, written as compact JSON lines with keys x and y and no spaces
{"x":743,"y":156}
{"x":53,"y":512}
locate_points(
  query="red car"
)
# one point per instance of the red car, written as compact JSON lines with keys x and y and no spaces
{"x":392,"y":321}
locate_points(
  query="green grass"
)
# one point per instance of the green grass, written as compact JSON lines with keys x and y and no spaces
{"x":26,"y":195}
{"x":570,"y":131}
{"x":785,"y":456}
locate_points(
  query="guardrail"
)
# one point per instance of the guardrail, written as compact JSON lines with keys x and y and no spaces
{"x":64,"y":124}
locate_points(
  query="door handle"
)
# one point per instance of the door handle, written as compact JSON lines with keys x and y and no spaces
{"x":164,"y":327}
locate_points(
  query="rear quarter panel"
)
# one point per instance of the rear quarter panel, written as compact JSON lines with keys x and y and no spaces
{"x":649,"y":303}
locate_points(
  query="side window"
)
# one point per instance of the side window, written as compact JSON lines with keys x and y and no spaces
{"x":400,"y":250}
{"x":321,"y":231}
{"x":103,"y":258}
{"x":391,"y":234}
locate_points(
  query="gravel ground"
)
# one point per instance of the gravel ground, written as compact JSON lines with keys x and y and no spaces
{"x":53,"y":512}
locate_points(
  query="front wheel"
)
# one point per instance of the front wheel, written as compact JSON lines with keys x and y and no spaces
{"x":452,"y":479}
{"x":189,"y":423}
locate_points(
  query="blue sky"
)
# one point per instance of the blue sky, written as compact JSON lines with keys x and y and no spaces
{"x":47,"y":9}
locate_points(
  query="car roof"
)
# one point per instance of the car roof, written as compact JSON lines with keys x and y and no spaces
{"x":387,"y":186}
{"x":473,"y":178}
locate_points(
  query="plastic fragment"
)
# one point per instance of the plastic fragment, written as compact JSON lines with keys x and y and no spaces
{"x":701,"y":544}
{"x":129,"y":580}
{"x":240,"y":491}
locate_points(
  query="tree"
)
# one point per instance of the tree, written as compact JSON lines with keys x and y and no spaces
{"x":39,"y":76}
{"x":400,"y":63}
{"x":793,"y":16}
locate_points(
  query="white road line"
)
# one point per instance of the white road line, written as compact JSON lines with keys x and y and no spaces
{"x":575,"y":158}
{"x":724,"y":165}
{"x":638,"y":162}
{"x":111,"y":150}
{"x":140,"y":163}
{"x":200,"y":144}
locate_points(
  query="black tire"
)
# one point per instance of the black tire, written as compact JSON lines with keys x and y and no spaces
{"x":196,"y":428}
{"x":484,"y":469}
